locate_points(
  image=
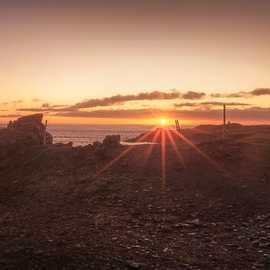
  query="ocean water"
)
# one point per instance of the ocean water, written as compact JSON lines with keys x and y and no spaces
{"x":86,"y":134}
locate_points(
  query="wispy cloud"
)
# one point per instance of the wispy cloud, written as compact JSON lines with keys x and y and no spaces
{"x":193,"y":95}
{"x":36,"y":100}
{"x":108,"y":101}
{"x":54,"y":106}
{"x":118,"y":99}
{"x":139,"y":113}
{"x":10,"y":115}
{"x":253,"y":113}
{"x":19,"y":101}
{"x":260,"y":92}
{"x":244,"y":94}
{"x":13,"y":102}
{"x":209,"y":104}
{"x":191,"y":107}
{"x":40,"y":109}
{"x":45,"y":107}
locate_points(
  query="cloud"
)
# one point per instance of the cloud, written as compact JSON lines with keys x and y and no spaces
{"x":185,"y":104}
{"x":17,"y":101}
{"x":13,"y":102}
{"x":193,"y":95}
{"x":260,"y":92}
{"x":240,"y":94}
{"x":115,"y":100}
{"x":209,"y":103}
{"x":45,"y":107}
{"x":36,"y":100}
{"x":118,"y":99}
{"x":36,"y":109}
{"x":244,"y":94}
{"x":235,"y":114}
{"x":201,"y":110}
{"x":132,"y":113}
{"x":217,"y":103}
{"x":10,"y":115}
{"x":49,"y":106}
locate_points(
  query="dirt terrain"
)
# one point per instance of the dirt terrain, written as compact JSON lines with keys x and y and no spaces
{"x":209,"y":208}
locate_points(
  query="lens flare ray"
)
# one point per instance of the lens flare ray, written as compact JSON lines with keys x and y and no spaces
{"x":175,"y":148}
{"x":163,"y":158}
{"x":198,"y":150}
{"x":150,"y":148}
{"x":163,"y":134}
{"x":122,"y":154}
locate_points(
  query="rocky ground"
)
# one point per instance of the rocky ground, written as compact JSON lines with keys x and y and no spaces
{"x":58,"y":211}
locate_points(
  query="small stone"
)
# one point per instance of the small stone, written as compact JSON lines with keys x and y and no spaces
{"x":195,"y":221}
{"x":39,"y":252}
{"x":134,"y":265}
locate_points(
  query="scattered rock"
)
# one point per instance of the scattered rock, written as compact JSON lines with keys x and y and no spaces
{"x":97,"y":145}
{"x":112,"y":141}
{"x":134,"y":265}
{"x":108,"y":148}
{"x":195,"y":221}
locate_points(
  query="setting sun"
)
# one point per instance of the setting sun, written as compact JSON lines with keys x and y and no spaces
{"x":163,"y":122}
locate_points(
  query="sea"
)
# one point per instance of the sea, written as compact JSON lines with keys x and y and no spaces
{"x":87,"y":134}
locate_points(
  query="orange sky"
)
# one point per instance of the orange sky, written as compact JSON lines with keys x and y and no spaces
{"x":65,"y":52}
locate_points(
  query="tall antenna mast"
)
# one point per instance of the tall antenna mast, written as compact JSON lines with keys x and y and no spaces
{"x":224,"y":121}
{"x":44,"y":134}
{"x":224,"y":114}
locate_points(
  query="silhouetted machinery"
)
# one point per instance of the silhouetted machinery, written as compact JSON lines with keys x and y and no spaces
{"x":177,"y":125}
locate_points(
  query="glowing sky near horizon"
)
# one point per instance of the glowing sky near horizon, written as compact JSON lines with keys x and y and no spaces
{"x":63,"y":52}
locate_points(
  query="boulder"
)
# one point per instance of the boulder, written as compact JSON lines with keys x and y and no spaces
{"x":112,"y":141}
{"x":107,"y":149}
{"x":27,"y":130}
{"x":97,"y":145}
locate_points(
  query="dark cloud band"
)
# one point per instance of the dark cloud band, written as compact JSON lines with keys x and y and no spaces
{"x":244,"y":94}
{"x":254,"y":113}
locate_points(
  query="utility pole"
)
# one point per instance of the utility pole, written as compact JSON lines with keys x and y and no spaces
{"x":44,"y":134}
{"x":224,"y":114}
{"x":224,"y":121}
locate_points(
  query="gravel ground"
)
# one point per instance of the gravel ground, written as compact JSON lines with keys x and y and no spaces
{"x":210,"y":213}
